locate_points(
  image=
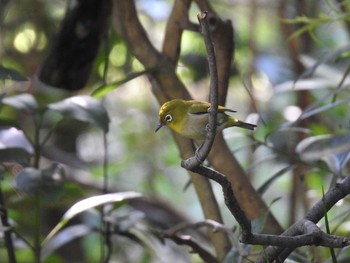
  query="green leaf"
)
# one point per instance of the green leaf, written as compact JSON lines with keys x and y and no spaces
{"x":6,"y":122}
{"x":65,"y":236}
{"x":84,"y":108}
{"x":318,"y":147}
{"x":23,"y":101}
{"x":104,"y":89}
{"x":7,"y":73}
{"x":262,"y":189}
{"x":89,"y":203}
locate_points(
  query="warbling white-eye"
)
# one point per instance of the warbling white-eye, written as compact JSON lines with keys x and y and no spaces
{"x":190,"y":118}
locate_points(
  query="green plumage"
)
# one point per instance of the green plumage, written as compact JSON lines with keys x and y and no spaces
{"x":190,"y":118}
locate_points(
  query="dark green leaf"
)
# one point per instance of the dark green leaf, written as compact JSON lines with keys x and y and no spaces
{"x":7,"y":122}
{"x":7,"y":73}
{"x":29,"y":180}
{"x":84,"y":108}
{"x":23,"y":101}
{"x":48,"y":182}
{"x":277,"y":139}
{"x":18,"y":155}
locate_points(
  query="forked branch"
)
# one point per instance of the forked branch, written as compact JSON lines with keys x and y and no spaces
{"x":302,"y":233}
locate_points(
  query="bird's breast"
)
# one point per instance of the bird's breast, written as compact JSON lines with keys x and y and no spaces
{"x":195,"y":126}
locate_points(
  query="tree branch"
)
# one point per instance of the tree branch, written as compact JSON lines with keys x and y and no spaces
{"x":187,"y":240}
{"x":314,"y":215}
{"x":302,"y":233}
{"x":173,"y":33}
{"x":165,"y":86}
{"x":307,"y":232}
{"x":204,"y":149}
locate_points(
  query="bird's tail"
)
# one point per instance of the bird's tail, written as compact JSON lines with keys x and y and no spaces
{"x":245,"y":125}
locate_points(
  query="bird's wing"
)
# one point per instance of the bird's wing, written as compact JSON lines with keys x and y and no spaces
{"x":201,"y":107}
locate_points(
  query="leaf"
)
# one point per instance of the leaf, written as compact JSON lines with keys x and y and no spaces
{"x":337,"y":162}
{"x":84,"y":108}
{"x":277,"y":139}
{"x":24,"y":101}
{"x":317,"y":147}
{"x":6,"y":122}
{"x":14,"y":138}
{"x":89,"y":203}
{"x":10,"y":74}
{"x":18,"y":155}
{"x":309,"y":113}
{"x":262,"y":189}
{"x":29,"y":180}
{"x":330,"y":56}
{"x":65,"y":236}
{"x":47,"y":182}
{"x":232,"y":256}
{"x":104,"y":89}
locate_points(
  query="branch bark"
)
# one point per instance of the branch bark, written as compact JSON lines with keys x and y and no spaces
{"x":204,"y":149}
{"x":305,"y":231}
{"x":314,"y":215}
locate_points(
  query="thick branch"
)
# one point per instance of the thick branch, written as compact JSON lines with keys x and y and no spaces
{"x":165,"y":86}
{"x":302,"y":233}
{"x":223,"y":39}
{"x":173,"y":33}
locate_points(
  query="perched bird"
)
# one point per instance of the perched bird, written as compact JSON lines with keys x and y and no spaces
{"x":190,"y":118}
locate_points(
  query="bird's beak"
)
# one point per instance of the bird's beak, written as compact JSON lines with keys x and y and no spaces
{"x":160,"y":125}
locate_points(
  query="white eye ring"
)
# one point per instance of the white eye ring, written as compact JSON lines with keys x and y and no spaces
{"x":168,"y":118}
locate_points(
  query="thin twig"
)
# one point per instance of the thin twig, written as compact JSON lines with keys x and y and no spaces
{"x":187,"y":240}
{"x":203,"y":151}
{"x":215,"y":226}
{"x":230,"y":199}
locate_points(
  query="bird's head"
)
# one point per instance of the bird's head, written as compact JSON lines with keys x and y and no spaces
{"x":171,"y":113}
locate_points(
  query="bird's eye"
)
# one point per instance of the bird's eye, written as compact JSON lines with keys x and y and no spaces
{"x":168,"y":118}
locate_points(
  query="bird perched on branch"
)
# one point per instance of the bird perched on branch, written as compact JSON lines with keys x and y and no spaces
{"x":190,"y":118}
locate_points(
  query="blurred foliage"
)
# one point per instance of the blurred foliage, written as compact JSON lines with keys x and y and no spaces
{"x":265,"y":84}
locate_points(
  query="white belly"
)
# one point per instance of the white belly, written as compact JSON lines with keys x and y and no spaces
{"x":196,"y":126}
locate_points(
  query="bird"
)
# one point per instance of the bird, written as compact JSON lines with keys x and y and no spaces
{"x":189,"y":118}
